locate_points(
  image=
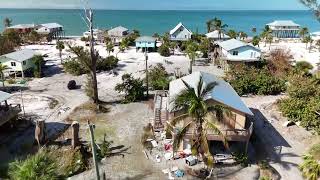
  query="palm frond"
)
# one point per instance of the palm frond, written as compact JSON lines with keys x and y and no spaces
{"x":214,"y":128}
{"x":209,"y":87}
{"x":178,"y":119}
{"x":200,"y":86}
{"x":180,"y":135}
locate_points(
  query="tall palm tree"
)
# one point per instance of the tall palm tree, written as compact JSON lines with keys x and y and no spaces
{"x":109,"y":47}
{"x":219,"y":26}
{"x":209,"y":24}
{"x":266,"y":34}
{"x":7,"y":22}
{"x":60,"y":46}
{"x":192,"y":54}
{"x":232,"y":34}
{"x":38,"y":61}
{"x":193,"y":101}
{"x":242,"y":35}
{"x":303,"y":32}
{"x":2,"y":69}
{"x":256,"y":40}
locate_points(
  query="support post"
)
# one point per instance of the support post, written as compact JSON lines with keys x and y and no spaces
{"x":94,"y":153}
{"x":75,"y":134}
{"x":40,"y":132}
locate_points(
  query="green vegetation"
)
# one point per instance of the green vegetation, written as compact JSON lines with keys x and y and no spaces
{"x":2,"y":69}
{"x":39,"y":62}
{"x":191,"y":51}
{"x":60,"y":47}
{"x":159,"y":77}
{"x":131,"y":87}
{"x":164,"y":50}
{"x":242,"y":159}
{"x":107,"y":64}
{"x":310,"y":167}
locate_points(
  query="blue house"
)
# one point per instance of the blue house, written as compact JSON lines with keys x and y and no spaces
{"x":146,"y":42}
{"x":180,"y":33}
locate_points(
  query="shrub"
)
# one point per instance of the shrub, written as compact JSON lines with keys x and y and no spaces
{"x":72,"y":85}
{"x":164,"y":50}
{"x":39,"y":166}
{"x":279,"y":62}
{"x":84,"y":39}
{"x":11,"y":81}
{"x":106,"y":64}
{"x":131,"y":87}
{"x":310,"y":168}
{"x":158,"y":77}
{"x":242,"y":159}
{"x":74,"y":67}
{"x":303,"y":67}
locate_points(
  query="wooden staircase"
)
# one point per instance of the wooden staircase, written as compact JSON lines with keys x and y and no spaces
{"x":160,"y":110}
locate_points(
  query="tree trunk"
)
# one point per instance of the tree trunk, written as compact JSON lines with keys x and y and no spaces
{"x":75,"y":134}
{"x":190,"y":67}
{"x":40,"y":132}
{"x":2,"y":78}
{"x":60,"y":54}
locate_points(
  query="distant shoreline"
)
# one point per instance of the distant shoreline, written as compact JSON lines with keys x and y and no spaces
{"x":208,"y":10}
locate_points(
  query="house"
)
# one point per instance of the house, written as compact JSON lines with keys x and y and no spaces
{"x":97,"y":34}
{"x":234,"y":52}
{"x":216,"y":36}
{"x":180,"y":33}
{"x":7,"y":112}
{"x":146,"y":42}
{"x":284,"y":29}
{"x":51,"y":30}
{"x":118,"y":33}
{"x":22,"y":28}
{"x":235,"y":124}
{"x":18,"y":61}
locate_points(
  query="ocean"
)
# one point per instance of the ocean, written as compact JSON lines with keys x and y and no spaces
{"x":160,"y":21}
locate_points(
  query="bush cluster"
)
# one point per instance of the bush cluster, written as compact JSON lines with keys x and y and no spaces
{"x":159,"y":78}
{"x":164,"y":50}
{"x":131,"y":87}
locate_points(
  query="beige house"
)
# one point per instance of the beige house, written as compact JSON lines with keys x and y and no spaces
{"x":18,"y":61}
{"x":118,"y":33}
{"x":235,"y":125}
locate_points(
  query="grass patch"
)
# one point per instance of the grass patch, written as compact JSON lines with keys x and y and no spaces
{"x":315,"y":151}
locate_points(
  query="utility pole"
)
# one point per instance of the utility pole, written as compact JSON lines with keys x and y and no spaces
{"x":147,"y":79}
{"x":94,"y":150}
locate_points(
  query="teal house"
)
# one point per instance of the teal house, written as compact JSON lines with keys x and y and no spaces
{"x":146,"y":42}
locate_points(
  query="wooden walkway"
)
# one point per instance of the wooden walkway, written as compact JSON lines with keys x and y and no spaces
{"x":161,"y":114}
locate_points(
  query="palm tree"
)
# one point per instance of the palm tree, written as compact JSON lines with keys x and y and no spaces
{"x":266,"y":33}
{"x":219,"y":26}
{"x":2,"y":69}
{"x":38,"y":61}
{"x":269,"y":39}
{"x":303,"y":32}
{"x":209,"y":25}
{"x":193,"y":101}
{"x":60,"y":47}
{"x":256,"y":40}
{"x":232,"y":34}
{"x":254,"y":30}
{"x":173,"y":46}
{"x":192,"y":54}
{"x":7,"y":22}
{"x":242,"y":35}
{"x":307,"y":40}
{"x":109,"y":47}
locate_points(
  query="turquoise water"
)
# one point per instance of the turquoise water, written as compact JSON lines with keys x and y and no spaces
{"x":149,"y":22}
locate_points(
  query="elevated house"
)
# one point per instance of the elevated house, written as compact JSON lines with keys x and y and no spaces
{"x":7,"y":111}
{"x":146,"y":43}
{"x":50,"y":30}
{"x":22,"y":28}
{"x":235,"y":124}
{"x":234,"y":52}
{"x":98,"y":34}
{"x":18,"y":62}
{"x":180,"y":33}
{"x":284,"y":29}
{"x":118,"y":33}
{"x":217,"y":36}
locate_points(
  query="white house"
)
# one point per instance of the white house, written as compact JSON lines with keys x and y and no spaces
{"x":180,"y":33}
{"x":52,"y":30}
{"x":118,"y":33}
{"x":284,"y":29}
{"x":234,"y":51}
{"x":18,"y":61}
{"x":97,"y":34}
{"x":216,"y":36}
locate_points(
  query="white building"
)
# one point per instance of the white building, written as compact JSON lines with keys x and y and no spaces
{"x":234,"y":51}
{"x":97,"y":34}
{"x":216,"y":36}
{"x":180,"y":33}
{"x":118,"y":33}
{"x":284,"y":29}
{"x":18,"y":61}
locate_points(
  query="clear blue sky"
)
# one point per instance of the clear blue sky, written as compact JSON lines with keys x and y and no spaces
{"x":159,"y":4}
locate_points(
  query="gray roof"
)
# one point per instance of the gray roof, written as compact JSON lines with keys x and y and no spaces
{"x":4,"y":96}
{"x":118,"y":29}
{"x":223,"y":93}
{"x":234,"y":44}
{"x":21,"y":55}
{"x":51,"y":25}
{"x":172,"y":31}
{"x":215,"y":35}
{"x":22,"y":26}
{"x":283,"y":23}
{"x":146,"y":39}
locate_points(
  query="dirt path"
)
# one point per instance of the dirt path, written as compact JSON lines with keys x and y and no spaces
{"x":282,"y":145}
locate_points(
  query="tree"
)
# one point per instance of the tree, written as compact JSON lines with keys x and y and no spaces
{"x":34,"y":36}
{"x":173,"y":46}
{"x":232,"y":34}
{"x":132,"y":88}
{"x":303,"y":32}
{"x":314,"y":6}
{"x":12,"y":37}
{"x":318,"y":45}
{"x":159,"y":78}
{"x":109,"y":47}
{"x":254,"y":30}
{"x":193,"y":101}
{"x":303,"y":66}
{"x":164,"y":50}
{"x":38,"y":62}
{"x":242,"y":35}
{"x":192,"y":54}
{"x":7,"y":22}
{"x":218,"y":25}
{"x":269,"y":39}
{"x":2,"y":69}
{"x":60,"y":47}
{"x":278,"y":63}
{"x":256,"y":40}
{"x":307,"y":40}
{"x":266,"y":34}
{"x":204,"y":47}
{"x":209,"y":24}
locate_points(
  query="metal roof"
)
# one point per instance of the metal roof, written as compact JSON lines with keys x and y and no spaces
{"x":177,"y":27}
{"x":283,"y":23}
{"x":4,"y":96}
{"x":223,"y":93}
{"x":118,"y":29}
{"x":22,"y":26}
{"x":234,"y":44}
{"x":52,"y":25}
{"x":20,"y":55}
{"x":215,"y":35}
{"x":146,"y":39}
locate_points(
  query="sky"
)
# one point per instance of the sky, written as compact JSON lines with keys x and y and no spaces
{"x":158,"y":4}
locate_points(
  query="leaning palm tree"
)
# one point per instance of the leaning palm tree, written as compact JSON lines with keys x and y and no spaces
{"x":7,"y":22}
{"x":60,"y":46}
{"x":193,"y":101}
{"x":219,"y":26}
{"x":192,"y":54}
{"x":209,"y":24}
{"x":2,"y":69}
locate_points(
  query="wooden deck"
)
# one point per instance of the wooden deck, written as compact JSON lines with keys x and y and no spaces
{"x":10,"y":113}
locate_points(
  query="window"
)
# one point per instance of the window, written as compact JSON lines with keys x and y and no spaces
{"x":13,"y":63}
{"x":235,"y":53}
{"x":149,"y":42}
{"x":24,"y":62}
